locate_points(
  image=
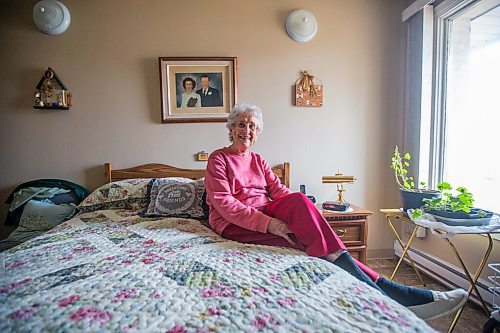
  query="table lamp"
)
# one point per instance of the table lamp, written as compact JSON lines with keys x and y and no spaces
{"x":340,"y":204}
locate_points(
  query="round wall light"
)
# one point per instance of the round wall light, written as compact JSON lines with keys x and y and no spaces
{"x":51,"y":17}
{"x":301,"y":25}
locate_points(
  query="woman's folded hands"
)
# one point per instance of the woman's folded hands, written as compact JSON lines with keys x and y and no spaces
{"x":279,"y":228}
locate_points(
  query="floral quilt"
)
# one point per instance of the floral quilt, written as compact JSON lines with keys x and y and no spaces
{"x":112,"y":270}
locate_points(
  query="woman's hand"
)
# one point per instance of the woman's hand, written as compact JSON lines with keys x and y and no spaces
{"x":279,"y":228}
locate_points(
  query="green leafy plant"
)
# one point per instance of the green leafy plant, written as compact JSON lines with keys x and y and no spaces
{"x":399,"y":165}
{"x":461,"y":201}
{"x":417,"y":213}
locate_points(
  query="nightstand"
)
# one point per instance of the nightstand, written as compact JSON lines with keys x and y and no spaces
{"x":352,"y":228}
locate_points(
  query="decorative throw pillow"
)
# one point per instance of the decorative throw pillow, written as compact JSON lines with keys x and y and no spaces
{"x":44,"y":215}
{"x":127,"y":194}
{"x":176,"y":197}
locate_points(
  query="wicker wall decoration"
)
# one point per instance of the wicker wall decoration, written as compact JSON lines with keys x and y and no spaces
{"x":308,"y":91}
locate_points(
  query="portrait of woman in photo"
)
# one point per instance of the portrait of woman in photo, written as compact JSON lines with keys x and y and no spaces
{"x":189,"y":97}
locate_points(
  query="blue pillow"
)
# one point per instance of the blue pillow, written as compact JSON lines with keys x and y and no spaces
{"x":41,"y":215}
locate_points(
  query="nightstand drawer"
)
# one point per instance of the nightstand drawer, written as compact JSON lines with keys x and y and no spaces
{"x":352,"y":229}
{"x":350,"y":234}
{"x":358,"y":252}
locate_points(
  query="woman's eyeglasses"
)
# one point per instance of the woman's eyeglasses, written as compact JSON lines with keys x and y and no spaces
{"x":243,"y":125}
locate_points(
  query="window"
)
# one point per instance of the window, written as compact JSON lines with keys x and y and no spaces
{"x":465,"y":130}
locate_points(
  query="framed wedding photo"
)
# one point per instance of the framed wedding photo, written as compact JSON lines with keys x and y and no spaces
{"x":197,"y":89}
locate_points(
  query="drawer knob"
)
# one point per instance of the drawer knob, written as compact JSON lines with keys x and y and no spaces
{"x":341,"y":232}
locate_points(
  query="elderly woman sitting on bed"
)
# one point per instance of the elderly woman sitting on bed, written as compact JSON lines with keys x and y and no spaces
{"x":248,"y":204}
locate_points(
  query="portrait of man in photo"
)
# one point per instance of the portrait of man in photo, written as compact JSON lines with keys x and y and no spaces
{"x":210,"y":96}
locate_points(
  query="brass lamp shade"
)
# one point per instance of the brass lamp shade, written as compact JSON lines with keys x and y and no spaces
{"x":340,"y":180}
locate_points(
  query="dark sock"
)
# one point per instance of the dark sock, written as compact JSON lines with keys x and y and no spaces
{"x":404,"y":295}
{"x":346,"y":262}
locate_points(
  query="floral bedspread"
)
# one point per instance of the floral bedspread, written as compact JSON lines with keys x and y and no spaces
{"x":111,"y":270}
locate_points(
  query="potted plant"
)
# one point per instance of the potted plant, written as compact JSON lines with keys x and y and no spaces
{"x":411,"y":196}
{"x":449,"y":206}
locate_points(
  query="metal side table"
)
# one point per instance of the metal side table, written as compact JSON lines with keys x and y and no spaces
{"x":396,"y":214}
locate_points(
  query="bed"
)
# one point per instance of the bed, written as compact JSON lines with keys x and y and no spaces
{"x":113,"y":268}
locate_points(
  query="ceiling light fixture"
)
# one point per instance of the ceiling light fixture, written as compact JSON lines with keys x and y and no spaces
{"x":301,"y":25}
{"x":51,"y":17}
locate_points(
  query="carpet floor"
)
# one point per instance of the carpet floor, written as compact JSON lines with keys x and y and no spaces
{"x":473,"y":317}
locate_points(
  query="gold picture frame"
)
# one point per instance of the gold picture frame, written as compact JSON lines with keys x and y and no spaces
{"x":197,"y":89}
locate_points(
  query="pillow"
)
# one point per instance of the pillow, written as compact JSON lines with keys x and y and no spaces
{"x":75,"y":195}
{"x":176,"y":197}
{"x":128,"y":194}
{"x":65,"y":198}
{"x":44,"y":215}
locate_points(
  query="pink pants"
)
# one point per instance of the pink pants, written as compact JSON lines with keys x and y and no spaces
{"x":311,"y":232}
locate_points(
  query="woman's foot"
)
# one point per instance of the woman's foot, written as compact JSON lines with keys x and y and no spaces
{"x":443,"y":304}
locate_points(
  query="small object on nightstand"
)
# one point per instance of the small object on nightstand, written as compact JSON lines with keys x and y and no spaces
{"x":303,"y":191}
{"x":335,"y":206}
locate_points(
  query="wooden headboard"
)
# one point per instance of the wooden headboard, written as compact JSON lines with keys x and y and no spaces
{"x":157,"y":170}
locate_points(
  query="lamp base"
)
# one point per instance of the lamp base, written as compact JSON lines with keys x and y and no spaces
{"x":335,"y":206}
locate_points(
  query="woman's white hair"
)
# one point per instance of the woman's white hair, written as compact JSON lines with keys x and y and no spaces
{"x":243,"y":108}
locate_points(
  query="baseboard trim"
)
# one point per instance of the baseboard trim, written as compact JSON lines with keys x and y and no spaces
{"x":445,"y":273}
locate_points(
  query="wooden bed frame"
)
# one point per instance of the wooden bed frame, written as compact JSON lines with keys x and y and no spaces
{"x":157,"y":170}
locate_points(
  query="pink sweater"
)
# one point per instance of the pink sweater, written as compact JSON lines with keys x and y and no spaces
{"x":238,"y":187}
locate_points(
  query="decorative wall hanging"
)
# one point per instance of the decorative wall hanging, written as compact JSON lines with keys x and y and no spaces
{"x":197,"y":89}
{"x":51,"y":93}
{"x":308,"y":91}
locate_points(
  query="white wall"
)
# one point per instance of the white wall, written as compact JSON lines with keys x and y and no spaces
{"x":108,"y":60}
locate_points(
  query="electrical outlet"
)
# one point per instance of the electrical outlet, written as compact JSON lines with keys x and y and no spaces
{"x":408,"y":229}
{"x":202,"y":156}
{"x":421,"y":232}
